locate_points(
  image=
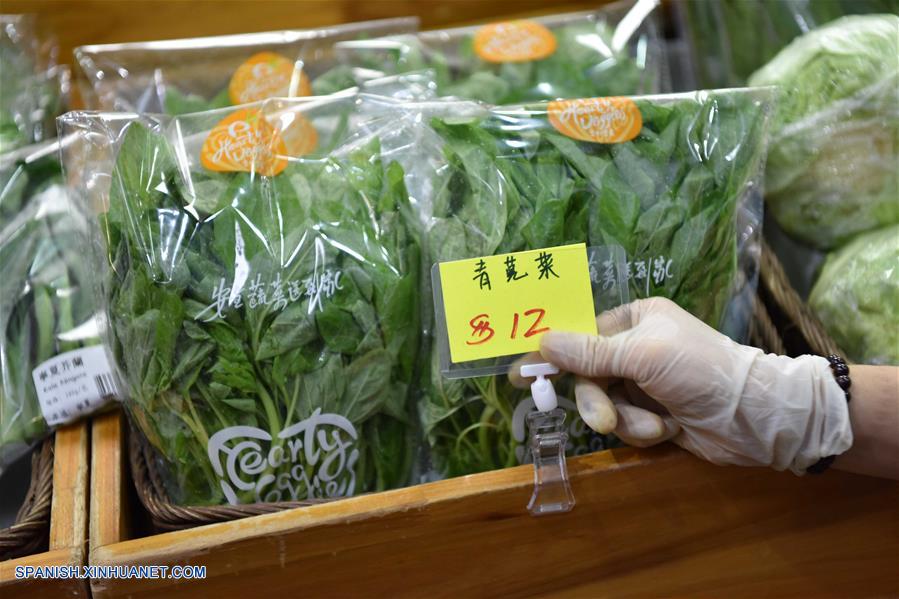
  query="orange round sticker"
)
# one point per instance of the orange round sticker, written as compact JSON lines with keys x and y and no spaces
{"x":299,"y":135}
{"x":267,"y":75}
{"x":244,"y":141}
{"x":601,"y":120}
{"x":514,"y":41}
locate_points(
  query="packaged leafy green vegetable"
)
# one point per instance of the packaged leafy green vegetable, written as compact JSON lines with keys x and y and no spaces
{"x":33,"y":87}
{"x":611,"y":51}
{"x":857,"y":297}
{"x":53,"y":369}
{"x":198,"y":74}
{"x":832,"y":166}
{"x":731,"y":39}
{"x":262,"y":274}
{"x":673,"y":179}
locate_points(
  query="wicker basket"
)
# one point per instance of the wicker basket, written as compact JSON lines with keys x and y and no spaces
{"x":164,"y":514}
{"x":31,"y":529}
{"x":798,"y":327}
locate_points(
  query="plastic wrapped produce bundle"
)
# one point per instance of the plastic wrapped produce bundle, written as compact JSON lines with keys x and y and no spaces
{"x":673,"y":179}
{"x":197,"y":74}
{"x":832,"y":165}
{"x":732,"y":38}
{"x":46,"y":305}
{"x":857,"y":297}
{"x":262,"y":278}
{"x":610,"y":51}
{"x":33,"y":88}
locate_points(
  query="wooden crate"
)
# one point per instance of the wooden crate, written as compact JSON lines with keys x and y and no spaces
{"x":68,"y":523}
{"x":647,"y":523}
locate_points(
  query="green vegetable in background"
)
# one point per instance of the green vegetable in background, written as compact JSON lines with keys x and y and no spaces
{"x":733,"y":38}
{"x":30,"y":98}
{"x":241,"y":300}
{"x":832,"y":166}
{"x":177,"y":103}
{"x":44,"y":291}
{"x":669,"y":197}
{"x":857,"y":297}
{"x":584,"y":64}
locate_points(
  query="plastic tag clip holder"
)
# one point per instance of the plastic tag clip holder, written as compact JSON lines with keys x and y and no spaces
{"x":547,"y":441}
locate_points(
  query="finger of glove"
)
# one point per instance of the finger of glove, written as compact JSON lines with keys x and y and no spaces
{"x":671,"y":432}
{"x":588,"y":355}
{"x":641,"y":399}
{"x":640,"y":427}
{"x":610,"y":322}
{"x":594,"y":406}
{"x":614,"y":321}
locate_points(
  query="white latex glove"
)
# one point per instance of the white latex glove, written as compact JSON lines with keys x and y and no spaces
{"x":657,"y":373}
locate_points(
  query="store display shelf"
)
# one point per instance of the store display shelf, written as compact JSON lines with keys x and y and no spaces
{"x":647,"y":523}
{"x":68,"y":524}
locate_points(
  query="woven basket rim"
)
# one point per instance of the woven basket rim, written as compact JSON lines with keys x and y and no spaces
{"x":167,"y":515}
{"x":774,"y":280}
{"x":32,"y":525}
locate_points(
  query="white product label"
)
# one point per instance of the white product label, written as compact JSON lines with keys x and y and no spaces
{"x":314,"y":458}
{"x":73,"y":384}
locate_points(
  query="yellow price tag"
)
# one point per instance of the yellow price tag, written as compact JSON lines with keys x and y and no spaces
{"x":501,"y":305}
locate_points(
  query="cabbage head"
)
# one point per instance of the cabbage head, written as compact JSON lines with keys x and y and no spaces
{"x":857,"y":297}
{"x":832,"y":167}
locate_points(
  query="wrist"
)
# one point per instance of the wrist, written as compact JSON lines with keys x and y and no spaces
{"x":829,"y":433}
{"x":809,"y":416}
{"x":874,"y":414}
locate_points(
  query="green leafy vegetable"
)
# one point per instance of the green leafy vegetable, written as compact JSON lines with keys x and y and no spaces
{"x":264,"y":303}
{"x":670,"y":197}
{"x":30,"y":96}
{"x":857,"y":297}
{"x":585,"y":63}
{"x":45,"y":295}
{"x":831,"y":170}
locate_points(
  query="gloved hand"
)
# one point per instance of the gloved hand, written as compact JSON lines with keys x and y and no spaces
{"x":657,"y":373}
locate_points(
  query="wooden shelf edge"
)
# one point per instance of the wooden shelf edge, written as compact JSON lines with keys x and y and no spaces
{"x":373,"y":506}
{"x":108,"y":521}
{"x":68,"y":522}
{"x":13,"y":588}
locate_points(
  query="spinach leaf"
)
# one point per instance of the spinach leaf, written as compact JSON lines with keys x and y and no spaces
{"x":585,"y":63}
{"x":669,"y":197}
{"x":282,"y":299}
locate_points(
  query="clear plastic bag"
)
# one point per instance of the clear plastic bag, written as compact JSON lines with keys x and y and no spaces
{"x":673,"y":179}
{"x":857,"y":297}
{"x":48,"y":332}
{"x":261,"y":279}
{"x":199,"y":74}
{"x":594,"y":53}
{"x":730,"y":39}
{"x":834,"y":149}
{"x":33,"y":87}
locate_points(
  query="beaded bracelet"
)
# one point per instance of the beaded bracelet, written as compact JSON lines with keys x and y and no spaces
{"x":840,"y":371}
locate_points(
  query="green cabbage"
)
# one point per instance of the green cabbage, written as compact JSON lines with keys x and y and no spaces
{"x":832,"y":165}
{"x":857,"y":297}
